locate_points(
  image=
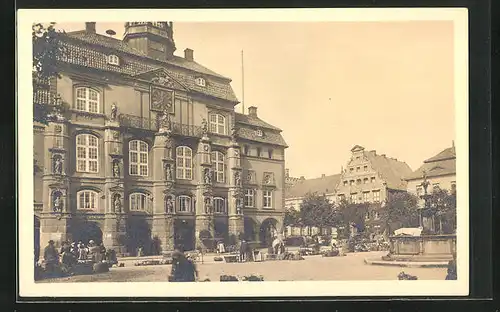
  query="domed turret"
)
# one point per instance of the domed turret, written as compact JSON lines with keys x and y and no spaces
{"x":153,"y":38}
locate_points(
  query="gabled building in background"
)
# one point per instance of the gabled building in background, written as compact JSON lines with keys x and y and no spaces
{"x":149,"y":150}
{"x":440,"y":171}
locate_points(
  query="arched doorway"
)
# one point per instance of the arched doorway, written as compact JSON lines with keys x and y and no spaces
{"x":85,"y":231}
{"x":221,"y":230}
{"x":37,"y":238}
{"x":184,"y":234}
{"x":138,"y":235}
{"x":268,"y":230}
{"x":250,"y":228}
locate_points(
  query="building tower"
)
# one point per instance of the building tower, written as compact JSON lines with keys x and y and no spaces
{"x":155,"y":39}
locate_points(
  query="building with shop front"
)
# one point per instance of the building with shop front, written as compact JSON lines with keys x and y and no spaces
{"x":144,"y":148}
{"x":367,"y":178}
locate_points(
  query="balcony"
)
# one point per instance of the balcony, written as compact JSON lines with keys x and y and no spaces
{"x":130,"y":121}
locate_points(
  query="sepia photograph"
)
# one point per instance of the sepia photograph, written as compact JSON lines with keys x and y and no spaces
{"x":322,"y":153}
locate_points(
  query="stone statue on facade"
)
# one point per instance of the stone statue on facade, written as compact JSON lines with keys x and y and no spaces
{"x":208,"y":205}
{"x":168,"y":172}
{"x":169,"y":206}
{"x":234,"y":134}
{"x":117,"y":204}
{"x":208,"y":176}
{"x":237,"y":178}
{"x":204,"y":127}
{"x":116,"y":169}
{"x":114,"y":112}
{"x":57,"y":202}
{"x":239,"y":206}
{"x":165,"y":123}
{"x":58,"y":164}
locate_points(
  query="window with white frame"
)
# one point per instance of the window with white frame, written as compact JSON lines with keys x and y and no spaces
{"x":376,"y":196}
{"x":353,"y":198}
{"x":184,"y":156}
{"x":200,"y":82}
{"x":345,"y":183}
{"x":86,"y":199}
{"x":219,"y":205}
{"x":420,"y":190}
{"x":259,"y":133}
{"x":138,"y":158}
{"x":87,"y":100}
{"x":341,"y":198}
{"x":365,"y":180}
{"x":184,"y":203}
{"x":113,"y":59}
{"x":267,"y":199}
{"x":366,"y":197}
{"x":217,"y":123}
{"x":86,"y":153}
{"x":249,"y":198}
{"x":373,"y":179}
{"x":218,"y":163}
{"x":139,"y":202}
{"x":376,"y":215}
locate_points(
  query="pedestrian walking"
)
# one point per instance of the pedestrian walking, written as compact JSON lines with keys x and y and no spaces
{"x":183,"y":268}
{"x":51,"y":258}
{"x":243,"y":250}
{"x":220,"y":247}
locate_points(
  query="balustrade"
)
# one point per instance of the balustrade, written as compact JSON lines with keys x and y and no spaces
{"x":131,"y":121}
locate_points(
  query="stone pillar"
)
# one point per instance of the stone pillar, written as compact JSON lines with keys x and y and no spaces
{"x":235,"y":196}
{"x":163,"y":191}
{"x":115,"y":220}
{"x":55,"y":223}
{"x":204,"y":222}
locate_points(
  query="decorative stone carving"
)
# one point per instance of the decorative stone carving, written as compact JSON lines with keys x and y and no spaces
{"x":204,"y":127}
{"x":268,"y":178}
{"x":165,"y":123}
{"x":239,"y":206}
{"x":207,"y":176}
{"x":58,"y":164}
{"x":116,"y":135}
{"x":208,"y":205}
{"x":58,"y":129}
{"x":234,"y":133}
{"x":57,"y":201}
{"x":237,"y":153}
{"x":168,"y":171}
{"x":164,"y":80}
{"x":117,"y":203}
{"x":114,"y":112}
{"x":116,"y":168}
{"x":161,"y":99}
{"x":169,"y":205}
{"x":237,"y":178}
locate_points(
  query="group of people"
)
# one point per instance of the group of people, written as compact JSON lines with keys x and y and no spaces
{"x":72,"y":253}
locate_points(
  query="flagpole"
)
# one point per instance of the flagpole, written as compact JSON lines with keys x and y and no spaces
{"x":242,"y":84}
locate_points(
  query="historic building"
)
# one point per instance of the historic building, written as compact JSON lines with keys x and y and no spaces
{"x":144,"y":148}
{"x":367,"y":178}
{"x":291,"y":181}
{"x":440,"y":171}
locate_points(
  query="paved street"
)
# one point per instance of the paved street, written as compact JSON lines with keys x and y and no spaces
{"x":350,"y":267}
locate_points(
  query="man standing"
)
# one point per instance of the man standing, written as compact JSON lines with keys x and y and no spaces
{"x":243,"y":250}
{"x":51,"y":257}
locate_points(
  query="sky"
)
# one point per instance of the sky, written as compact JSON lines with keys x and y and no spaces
{"x":387,"y":86}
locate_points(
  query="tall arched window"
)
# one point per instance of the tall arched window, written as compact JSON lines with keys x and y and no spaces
{"x":184,"y":203}
{"x":219,"y":205}
{"x":184,"y":156}
{"x":139,"y":202}
{"x":86,"y":153}
{"x":86,"y":199}
{"x":87,"y":100}
{"x":218,"y":163}
{"x":138,"y":158}
{"x":217,"y":123}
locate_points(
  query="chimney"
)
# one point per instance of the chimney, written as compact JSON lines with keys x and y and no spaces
{"x":287,"y":172}
{"x":323,"y":175}
{"x":252,"y":111}
{"x":453,"y":143}
{"x":90,"y":27}
{"x":302,"y":178}
{"x":383,"y":155}
{"x":188,"y":54}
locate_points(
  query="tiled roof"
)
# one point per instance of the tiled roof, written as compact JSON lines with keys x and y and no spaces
{"x":254,"y":121}
{"x":443,"y":163}
{"x":134,"y":62}
{"x":392,"y":171}
{"x":321,"y":185}
{"x":270,"y":137}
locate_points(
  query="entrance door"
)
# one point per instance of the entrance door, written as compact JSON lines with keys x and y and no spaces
{"x":138,"y":235}
{"x":184,"y":235}
{"x":85,"y":231}
{"x":267,"y":232}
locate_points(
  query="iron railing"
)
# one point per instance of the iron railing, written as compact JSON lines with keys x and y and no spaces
{"x":130,"y":121}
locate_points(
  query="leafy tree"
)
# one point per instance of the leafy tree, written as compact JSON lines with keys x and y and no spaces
{"x":400,"y":211}
{"x":292,"y":217}
{"x":444,"y":204}
{"x":46,"y":51}
{"x":316,"y":210}
{"x":352,"y":213}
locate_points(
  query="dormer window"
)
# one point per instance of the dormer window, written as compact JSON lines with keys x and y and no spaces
{"x":113,"y":60}
{"x":200,"y":82}
{"x":259,"y":133}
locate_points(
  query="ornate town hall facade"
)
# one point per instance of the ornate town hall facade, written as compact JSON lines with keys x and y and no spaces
{"x":145,"y":149}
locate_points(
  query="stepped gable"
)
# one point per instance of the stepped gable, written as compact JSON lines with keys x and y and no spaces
{"x":392,"y":170}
